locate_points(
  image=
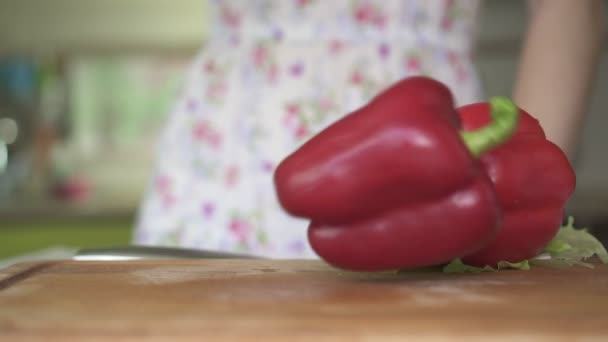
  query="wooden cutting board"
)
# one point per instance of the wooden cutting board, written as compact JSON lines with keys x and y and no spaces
{"x":266,"y":300}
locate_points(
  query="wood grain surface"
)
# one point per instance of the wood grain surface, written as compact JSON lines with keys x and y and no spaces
{"x":272,"y":300}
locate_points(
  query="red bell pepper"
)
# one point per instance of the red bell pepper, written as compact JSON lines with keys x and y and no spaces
{"x":396,"y":184}
{"x":533,"y":180}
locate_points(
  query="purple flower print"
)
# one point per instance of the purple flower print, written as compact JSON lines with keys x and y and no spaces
{"x":296,"y":69}
{"x":384,"y":50}
{"x":277,"y":34}
{"x":296,"y":246}
{"x":207,"y":209}
{"x":235,"y":40}
{"x":192,"y":105}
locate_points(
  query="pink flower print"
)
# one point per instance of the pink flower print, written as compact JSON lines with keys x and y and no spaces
{"x":356,"y":77}
{"x":168,"y":200}
{"x":209,"y":67}
{"x":260,"y":54}
{"x":303,"y":3}
{"x":296,"y":69}
{"x":461,"y":74}
{"x":326,"y":103}
{"x":231,"y":176}
{"x":267,"y":166}
{"x":272,"y":73}
{"x":208,"y":208}
{"x":364,"y":13}
{"x":289,"y":120}
{"x":231,"y":17}
{"x":216,"y":90}
{"x":214,"y":139}
{"x":446,"y":20}
{"x":201,"y":130}
{"x":446,"y":23}
{"x":335,"y":46}
{"x":292,"y":121}
{"x":452,"y":58}
{"x":379,"y":20}
{"x":412,"y":64}
{"x":163,"y":183}
{"x":292,"y":111}
{"x":384,"y":50}
{"x":239,"y":228}
{"x":302,"y":131}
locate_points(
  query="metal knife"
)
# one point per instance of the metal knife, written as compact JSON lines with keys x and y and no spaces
{"x":133,"y":252}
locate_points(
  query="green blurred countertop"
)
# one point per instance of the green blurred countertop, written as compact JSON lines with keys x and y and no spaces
{"x":24,"y":237}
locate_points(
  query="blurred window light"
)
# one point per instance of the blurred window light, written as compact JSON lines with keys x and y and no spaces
{"x":3,"y":156}
{"x":9,"y":130}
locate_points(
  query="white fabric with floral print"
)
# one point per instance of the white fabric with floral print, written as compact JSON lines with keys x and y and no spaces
{"x":272,"y":74}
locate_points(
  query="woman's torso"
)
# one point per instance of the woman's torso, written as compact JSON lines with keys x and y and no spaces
{"x":272,"y":74}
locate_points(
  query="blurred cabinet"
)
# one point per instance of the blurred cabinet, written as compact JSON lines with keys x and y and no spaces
{"x":60,"y":25}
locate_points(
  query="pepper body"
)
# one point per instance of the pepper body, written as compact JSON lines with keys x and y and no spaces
{"x":391,"y":185}
{"x":533,"y":180}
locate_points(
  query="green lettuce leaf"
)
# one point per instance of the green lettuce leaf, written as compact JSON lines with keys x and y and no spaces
{"x":569,"y":247}
{"x":457,"y":266}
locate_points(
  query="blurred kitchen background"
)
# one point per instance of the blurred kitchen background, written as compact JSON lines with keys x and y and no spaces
{"x":85,"y":86}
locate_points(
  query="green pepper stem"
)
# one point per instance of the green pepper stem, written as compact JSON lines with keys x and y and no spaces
{"x":505,"y":116}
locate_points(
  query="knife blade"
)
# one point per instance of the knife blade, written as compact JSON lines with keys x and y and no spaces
{"x":134,"y":252}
